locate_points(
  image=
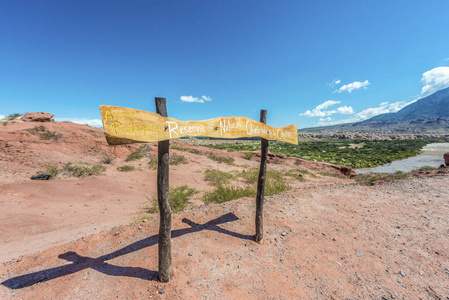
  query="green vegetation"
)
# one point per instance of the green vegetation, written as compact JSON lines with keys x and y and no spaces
{"x":217,"y":177}
{"x":179,"y":197}
{"x":142,"y":218}
{"x":176,"y":159}
{"x":141,"y":152}
{"x":227,"y":193}
{"x":51,"y":170}
{"x":331,"y":174}
{"x":371,"y":178}
{"x":221,"y":159}
{"x":82,"y":169}
{"x":73,"y":170}
{"x":44,"y":133}
{"x":180,"y":148}
{"x":126,"y":168}
{"x":224,"y":191}
{"x":195,"y":151}
{"x":107,"y":159}
{"x":152,"y":164}
{"x":248,"y":155}
{"x":298,"y":174}
{"x":12,"y":116}
{"x":352,"y":153}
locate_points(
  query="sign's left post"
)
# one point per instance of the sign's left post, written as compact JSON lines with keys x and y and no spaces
{"x":163,"y":197}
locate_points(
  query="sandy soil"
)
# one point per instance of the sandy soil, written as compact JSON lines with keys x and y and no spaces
{"x":326,"y":238}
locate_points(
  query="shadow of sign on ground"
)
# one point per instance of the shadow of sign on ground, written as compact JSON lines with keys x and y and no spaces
{"x":100,"y":264}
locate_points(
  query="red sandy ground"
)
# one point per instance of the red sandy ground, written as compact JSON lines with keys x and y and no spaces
{"x":326,"y":238}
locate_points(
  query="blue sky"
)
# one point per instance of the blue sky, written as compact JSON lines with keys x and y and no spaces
{"x":308,"y":63}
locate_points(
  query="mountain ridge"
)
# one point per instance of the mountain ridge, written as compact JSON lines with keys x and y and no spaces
{"x":426,"y":117}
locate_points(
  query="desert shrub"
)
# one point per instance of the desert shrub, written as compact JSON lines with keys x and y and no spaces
{"x":177,"y":147}
{"x":248,"y":155}
{"x":126,"y":168}
{"x":217,"y":177}
{"x":195,"y":151}
{"x":44,"y":133}
{"x":152,"y":164}
{"x":107,"y":159}
{"x":227,"y":193}
{"x":273,"y":187}
{"x":426,"y":168}
{"x":221,"y":159}
{"x":176,"y":159}
{"x":331,"y":174}
{"x":82,"y":169}
{"x":12,"y":116}
{"x":180,"y":148}
{"x":141,"y":152}
{"x":142,"y":218}
{"x":370,"y":178}
{"x":274,"y":183}
{"x":252,"y":176}
{"x":179,"y":198}
{"x":48,"y":135}
{"x":51,"y":170}
{"x":296,"y":174}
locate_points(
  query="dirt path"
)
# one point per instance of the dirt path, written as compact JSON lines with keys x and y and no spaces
{"x":325,"y":242}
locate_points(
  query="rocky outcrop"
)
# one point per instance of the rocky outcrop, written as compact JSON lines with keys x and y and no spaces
{"x":446,"y":158}
{"x":37,"y":117}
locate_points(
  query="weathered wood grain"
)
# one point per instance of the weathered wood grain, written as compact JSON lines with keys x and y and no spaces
{"x":126,"y":125}
{"x":163,"y":196}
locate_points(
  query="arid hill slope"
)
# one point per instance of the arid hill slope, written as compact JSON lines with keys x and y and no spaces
{"x":326,"y":238}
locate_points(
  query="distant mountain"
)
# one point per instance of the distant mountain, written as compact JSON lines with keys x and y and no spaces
{"x":427,"y":117}
{"x":428,"y":110}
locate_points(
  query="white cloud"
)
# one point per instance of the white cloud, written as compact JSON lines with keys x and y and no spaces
{"x":383,"y":108}
{"x":446,"y":59}
{"x":345,"y":110}
{"x":435,"y":80}
{"x":328,"y":119}
{"x":334,"y":82}
{"x":327,"y":104}
{"x":2,"y":117}
{"x":353,"y":86}
{"x":90,"y":122}
{"x":191,"y":99}
{"x":318,"y":111}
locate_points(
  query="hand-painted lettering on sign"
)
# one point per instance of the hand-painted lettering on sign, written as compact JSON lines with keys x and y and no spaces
{"x":126,"y":125}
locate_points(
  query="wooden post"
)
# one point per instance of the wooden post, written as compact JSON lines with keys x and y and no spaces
{"x":261,"y":183}
{"x":163,"y":197}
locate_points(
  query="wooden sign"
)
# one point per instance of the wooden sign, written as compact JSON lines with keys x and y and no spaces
{"x":126,"y":125}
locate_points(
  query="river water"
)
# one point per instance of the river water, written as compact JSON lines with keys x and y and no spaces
{"x":431,"y":155}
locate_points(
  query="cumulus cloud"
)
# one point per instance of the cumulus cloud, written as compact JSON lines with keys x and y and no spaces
{"x":383,"y":108}
{"x":191,"y":99}
{"x":435,"y":80}
{"x":90,"y":122}
{"x":2,"y":117}
{"x":352,"y":86}
{"x":328,"y":119}
{"x":334,"y":82}
{"x":319,"y":112}
{"x":345,"y":110}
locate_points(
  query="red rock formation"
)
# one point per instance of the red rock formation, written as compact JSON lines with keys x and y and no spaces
{"x":37,"y":117}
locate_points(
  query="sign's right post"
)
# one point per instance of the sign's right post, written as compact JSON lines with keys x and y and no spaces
{"x":261,"y":183}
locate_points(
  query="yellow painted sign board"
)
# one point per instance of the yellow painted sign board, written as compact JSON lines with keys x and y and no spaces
{"x":126,"y":125}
